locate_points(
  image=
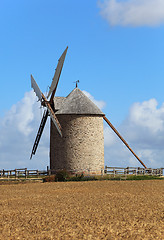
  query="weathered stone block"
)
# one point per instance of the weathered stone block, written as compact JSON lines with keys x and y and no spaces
{"x":81,"y":148}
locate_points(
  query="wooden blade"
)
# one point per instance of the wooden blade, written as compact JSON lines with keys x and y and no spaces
{"x":52,"y":115}
{"x":34,"y":85}
{"x":39,"y":134}
{"x":123,"y":140}
{"x":56,"y":77}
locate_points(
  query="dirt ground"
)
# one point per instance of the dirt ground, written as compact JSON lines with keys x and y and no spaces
{"x":83,"y":210}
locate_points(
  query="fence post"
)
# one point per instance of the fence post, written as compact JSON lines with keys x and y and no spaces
{"x":161,"y":172}
{"x":16,"y":173}
{"x":25,"y":173}
{"x":125,"y":172}
{"x":114,"y":173}
{"x":158,"y":172}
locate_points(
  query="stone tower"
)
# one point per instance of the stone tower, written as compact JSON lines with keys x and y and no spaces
{"x":81,"y":149}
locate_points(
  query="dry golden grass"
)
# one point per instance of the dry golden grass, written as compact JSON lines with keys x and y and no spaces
{"x":83,"y":210}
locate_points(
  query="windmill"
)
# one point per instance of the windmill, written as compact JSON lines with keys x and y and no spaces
{"x":50,"y":110}
{"x":76,"y":131}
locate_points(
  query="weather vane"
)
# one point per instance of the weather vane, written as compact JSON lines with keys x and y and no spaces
{"x":77,"y":83}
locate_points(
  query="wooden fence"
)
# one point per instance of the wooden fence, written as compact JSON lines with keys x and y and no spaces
{"x":21,"y":173}
{"x":24,"y":173}
{"x":133,"y":171}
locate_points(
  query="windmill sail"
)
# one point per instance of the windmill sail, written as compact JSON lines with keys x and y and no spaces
{"x":48,"y":104}
{"x":34,"y":85}
{"x":57,"y":73}
{"x":54,"y":118}
{"x":39,"y":134}
{"x":123,"y":140}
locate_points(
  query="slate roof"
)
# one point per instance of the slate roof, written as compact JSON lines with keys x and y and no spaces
{"x":76,"y":103}
{"x":58,"y":101}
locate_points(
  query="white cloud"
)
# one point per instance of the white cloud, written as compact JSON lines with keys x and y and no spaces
{"x":145,"y":123}
{"x":21,"y":114}
{"x":143,"y":129}
{"x":109,"y":137}
{"x":147,"y":115}
{"x":133,"y":12}
{"x":101,"y":104}
{"x":18,"y":129}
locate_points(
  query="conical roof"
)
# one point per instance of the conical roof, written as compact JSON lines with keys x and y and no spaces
{"x":76,"y":103}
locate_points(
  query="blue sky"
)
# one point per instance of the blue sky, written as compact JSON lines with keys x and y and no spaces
{"x":115,"y":50}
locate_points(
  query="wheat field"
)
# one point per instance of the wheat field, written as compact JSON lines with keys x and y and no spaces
{"x":83,"y":210}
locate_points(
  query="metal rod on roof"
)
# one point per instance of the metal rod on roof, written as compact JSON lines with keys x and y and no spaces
{"x":123,"y":140}
{"x":76,"y":83}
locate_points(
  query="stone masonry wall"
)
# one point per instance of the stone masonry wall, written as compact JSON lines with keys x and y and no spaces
{"x":82,"y":146}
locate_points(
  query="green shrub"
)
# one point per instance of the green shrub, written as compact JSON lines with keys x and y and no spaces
{"x":62,"y":176}
{"x":77,"y":177}
{"x":142,"y":177}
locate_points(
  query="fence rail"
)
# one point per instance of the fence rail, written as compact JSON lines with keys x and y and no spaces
{"x":133,"y":171}
{"x":21,"y":173}
{"x":113,"y":171}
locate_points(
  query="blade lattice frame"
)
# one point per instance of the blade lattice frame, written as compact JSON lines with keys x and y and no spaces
{"x":39,"y":134}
